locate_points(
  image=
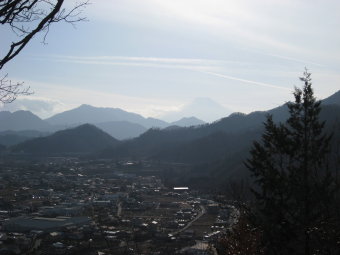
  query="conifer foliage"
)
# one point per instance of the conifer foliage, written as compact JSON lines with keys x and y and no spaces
{"x":295,"y":189}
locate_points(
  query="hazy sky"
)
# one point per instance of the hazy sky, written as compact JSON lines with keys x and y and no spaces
{"x":154,"y":56}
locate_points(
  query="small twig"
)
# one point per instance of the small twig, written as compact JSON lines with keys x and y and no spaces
{"x":9,"y":91}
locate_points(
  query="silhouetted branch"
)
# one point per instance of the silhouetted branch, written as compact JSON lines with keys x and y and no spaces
{"x":9,"y":91}
{"x":28,"y":17}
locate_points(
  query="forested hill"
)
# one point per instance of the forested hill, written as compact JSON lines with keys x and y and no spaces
{"x":208,"y":142}
{"x":204,"y":144}
{"x":83,"y":139}
{"x":219,"y":158}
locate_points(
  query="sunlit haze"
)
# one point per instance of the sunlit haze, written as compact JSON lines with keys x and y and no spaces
{"x":156,"y":57}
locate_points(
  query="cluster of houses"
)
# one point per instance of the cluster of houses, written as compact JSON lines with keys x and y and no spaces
{"x":68,"y":206}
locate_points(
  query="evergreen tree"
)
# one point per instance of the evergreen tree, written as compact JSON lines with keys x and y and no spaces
{"x":295,"y":189}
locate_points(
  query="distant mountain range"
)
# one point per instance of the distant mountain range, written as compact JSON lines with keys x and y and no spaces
{"x":21,"y":120}
{"x":217,"y":149}
{"x":116,"y":122}
{"x":187,"y":122}
{"x":90,"y":114}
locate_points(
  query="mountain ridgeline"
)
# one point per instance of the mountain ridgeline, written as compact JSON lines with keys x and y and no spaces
{"x":207,"y":142}
{"x":118,"y":123}
{"x":218,"y":146}
{"x":21,"y":120}
{"x":89,"y":114}
{"x":82,"y":139}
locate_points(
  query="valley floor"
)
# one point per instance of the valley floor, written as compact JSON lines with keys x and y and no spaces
{"x":73,"y":206}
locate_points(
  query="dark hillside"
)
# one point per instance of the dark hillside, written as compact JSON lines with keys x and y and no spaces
{"x":83,"y":139}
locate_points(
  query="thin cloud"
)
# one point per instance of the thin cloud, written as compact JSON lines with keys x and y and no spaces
{"x":295,"y":59}
{"x":142,"y":59}
{"x":197,"y":65}
{"x":41,"y":106}
{"x":276,"y":25}
{"x":262,"y":84}
{"x":122,"y":59}
{"x":152,"y":62}
{"x":135,"y":64}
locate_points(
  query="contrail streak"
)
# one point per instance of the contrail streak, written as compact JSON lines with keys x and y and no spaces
{"x":244,"y":80}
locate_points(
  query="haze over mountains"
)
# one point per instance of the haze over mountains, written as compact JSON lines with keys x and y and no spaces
{"x":89,"y":114}
{"x":203,"y":108}
{"x":116,"y":122}
{"x":121,"y":124}
{"x":223,"y":144}
{"x":21,"y":120}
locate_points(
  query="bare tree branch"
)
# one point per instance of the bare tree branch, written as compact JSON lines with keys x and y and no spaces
{"x":9,"y":91}
{"x":26,"y":18}
{"x":21,"y":15}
